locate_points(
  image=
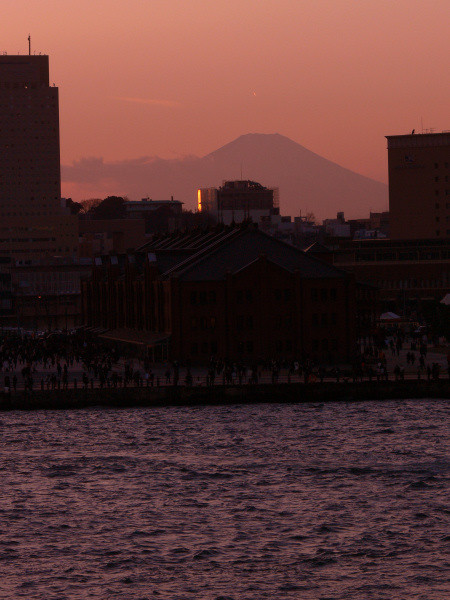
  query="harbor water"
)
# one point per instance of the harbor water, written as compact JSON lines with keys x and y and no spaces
{"x":279,"y":501}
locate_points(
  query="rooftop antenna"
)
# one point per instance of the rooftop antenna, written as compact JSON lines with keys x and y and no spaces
{"x":29,"y":45}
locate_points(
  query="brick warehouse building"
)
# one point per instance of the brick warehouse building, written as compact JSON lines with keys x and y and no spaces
{"x":235,"y":293}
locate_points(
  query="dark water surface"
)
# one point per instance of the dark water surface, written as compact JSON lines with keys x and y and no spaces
{"x":333,"y":501}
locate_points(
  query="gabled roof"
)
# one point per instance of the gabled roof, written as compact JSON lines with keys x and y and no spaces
{"x":318,"y":248}
{"x":238,"y":251}
{"x":175,"y":249}
{"x":186,"y":241}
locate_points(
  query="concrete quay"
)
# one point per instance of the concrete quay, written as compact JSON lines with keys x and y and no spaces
{"x":166,"y":396}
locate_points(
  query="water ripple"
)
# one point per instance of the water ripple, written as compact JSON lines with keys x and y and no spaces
{"x":330,"y":501}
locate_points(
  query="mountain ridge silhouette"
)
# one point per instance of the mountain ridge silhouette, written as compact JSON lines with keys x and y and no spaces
{"x":306,"y":180}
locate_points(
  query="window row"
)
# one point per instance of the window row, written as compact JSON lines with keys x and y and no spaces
{"x":324,"y":345}
{"x":323,"y":320}
{"x":323,"y":294}
{"x":404,"y":284}
{"x":203,"y":323}
{"x":203,"y":297}
{"x":209,"y":348}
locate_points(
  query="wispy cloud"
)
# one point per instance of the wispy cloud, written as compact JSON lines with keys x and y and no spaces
{"x":151,"y":101}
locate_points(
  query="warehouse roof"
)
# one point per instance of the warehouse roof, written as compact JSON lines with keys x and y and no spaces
{"x":239,"y":251}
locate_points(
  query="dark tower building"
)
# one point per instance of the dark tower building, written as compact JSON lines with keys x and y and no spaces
{"x":33,"y":223}
{"x":419,"y":185}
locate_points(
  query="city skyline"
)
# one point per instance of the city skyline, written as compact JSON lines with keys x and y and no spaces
{"x":171,"y":79}
{"x":224,"y":302}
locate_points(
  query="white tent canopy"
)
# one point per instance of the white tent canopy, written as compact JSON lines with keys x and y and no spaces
{"x":389,"y":316}
{"x":446,"y":299}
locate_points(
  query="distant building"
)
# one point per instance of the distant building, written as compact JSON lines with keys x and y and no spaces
{"x":337,"y":227}
{"x":408,"y":273}
{"x":6,"y":295}
{"x":159,"y":215}
{"x":379,"y":221}
{"x":419,"y":185}
{"x":32,"y":221}
{"x":367,"y":234}
{"x":376,"y":226}
{"x":307,"y":230}
{"x":106,"y":236}
{"x":238,"y":201}
{"x":47,"y":292}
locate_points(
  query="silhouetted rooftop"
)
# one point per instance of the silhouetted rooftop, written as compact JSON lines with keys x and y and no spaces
{"x":317,"y":248}
{"x":210,"y":254}
{"x":239,"y":251}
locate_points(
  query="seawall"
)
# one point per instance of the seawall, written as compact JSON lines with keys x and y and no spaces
{"x":223,"y":395}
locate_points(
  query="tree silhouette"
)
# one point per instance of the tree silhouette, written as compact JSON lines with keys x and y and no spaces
{"x":89,"y":203}
{"x":112,"y":207}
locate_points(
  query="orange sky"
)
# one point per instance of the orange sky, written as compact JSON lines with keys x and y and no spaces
{"x":178,"y":77}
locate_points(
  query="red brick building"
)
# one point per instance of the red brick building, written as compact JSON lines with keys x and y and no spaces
{"x":235,"y":293}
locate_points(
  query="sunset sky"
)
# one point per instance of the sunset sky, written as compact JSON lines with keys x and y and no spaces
{"x":184,"y":77}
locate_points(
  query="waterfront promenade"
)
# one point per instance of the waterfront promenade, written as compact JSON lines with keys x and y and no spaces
{"x":163,"y":374}
{"x":75,"y":372}
{"x":196,"y":389}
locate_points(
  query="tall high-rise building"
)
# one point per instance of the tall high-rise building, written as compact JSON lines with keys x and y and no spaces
{"x":419,"y":185}
{"x":33,"y":222}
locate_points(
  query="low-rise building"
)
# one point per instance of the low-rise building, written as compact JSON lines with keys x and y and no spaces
{"x":105,"y":236}
{"x":158,"y":215}
{"x":47,"y":293}
{"x":408,"y":273}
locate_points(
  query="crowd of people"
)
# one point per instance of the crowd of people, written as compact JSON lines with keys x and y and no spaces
{"x":373,"y":359}
{"x":29,"y":360}
{"x":79,"y":359}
